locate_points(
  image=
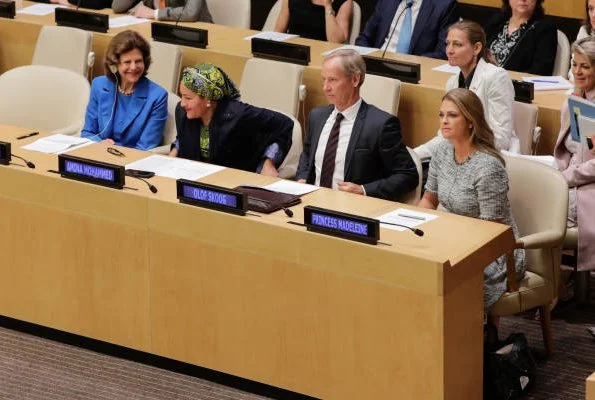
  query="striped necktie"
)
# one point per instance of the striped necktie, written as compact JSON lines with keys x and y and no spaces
{"x":328,"y":162}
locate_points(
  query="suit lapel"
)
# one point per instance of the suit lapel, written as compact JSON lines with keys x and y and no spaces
{"x":477,"y":76}
{"x":139,"y":98}
{"x":425,"y":11}
{"x":390,"y":15}
{"x":358,"y":127}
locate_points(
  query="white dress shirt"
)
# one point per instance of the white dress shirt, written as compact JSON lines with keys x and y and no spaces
{"x":345,"y":130}
{"x":392,"y":46}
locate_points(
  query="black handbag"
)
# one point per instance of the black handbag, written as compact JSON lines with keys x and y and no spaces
{"x":267,"y":201}
{"x":509,"y":368}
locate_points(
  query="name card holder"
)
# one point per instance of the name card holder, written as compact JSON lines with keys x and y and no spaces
{"x":7,"y":9}
{"x":281,"y":51}
{"x":5,"y":153}
{"x":82,"y":19}
{"x":182,"y":35}
{"x":346,"y":226}
{"x":401,"y":70}
{"x":211,"y":196}
{"x":523,"y":91}
{"x":91,"y":171}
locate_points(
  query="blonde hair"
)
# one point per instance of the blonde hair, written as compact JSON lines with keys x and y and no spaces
{"x":482,"y":136}
{"x":351,"y":62}
{"x":475,"y":34}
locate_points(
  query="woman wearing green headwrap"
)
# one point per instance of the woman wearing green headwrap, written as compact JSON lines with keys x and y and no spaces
{"x":214,"y":127}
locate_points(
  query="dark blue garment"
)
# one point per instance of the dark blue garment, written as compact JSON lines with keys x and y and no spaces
{"x":429,"y":32}
{"x":308,"y":19}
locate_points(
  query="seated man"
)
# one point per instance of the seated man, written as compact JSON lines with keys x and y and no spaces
{"x":165,"y":10}
{"x":424,"y":39}
{"x":350,"y":145}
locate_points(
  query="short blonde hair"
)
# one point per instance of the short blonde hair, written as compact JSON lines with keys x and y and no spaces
{"x":351,"y":62}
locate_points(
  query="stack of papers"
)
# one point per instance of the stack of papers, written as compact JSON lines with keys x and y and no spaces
{"x":548,"y":82}
{"x":270,"y":35}
{"x":125,"y":20}
{"x":360,"y":49}
{"x":57,"y":144}
{"x":403,"y":216}
{"x":38,"y":9}
{"x":291,"y":187}
{"x":176,"y":168}
{"x":447,"y":68}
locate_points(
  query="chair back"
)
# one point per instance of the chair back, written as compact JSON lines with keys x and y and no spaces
{"x":166,"y":65}
{"x":289,"y":166}
{"x":269,"y":24}
{"x":414,"y":196}
{"x":169,"y":132}
{"x":525,"y":122}
{"x":272,"y":84}
{"x":356,"y":23}
{"x":538,"y":196}
{"x":44,"y":98}
{"x":230,"y":12}
{"x":64,"y":47}
{"x":382,"y":92}
{"x":562,"y":60}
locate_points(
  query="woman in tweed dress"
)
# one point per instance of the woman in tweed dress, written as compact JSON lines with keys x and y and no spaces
{"x":467,"y":177}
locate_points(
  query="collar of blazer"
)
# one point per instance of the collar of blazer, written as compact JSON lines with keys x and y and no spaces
{"x":139,"y":98}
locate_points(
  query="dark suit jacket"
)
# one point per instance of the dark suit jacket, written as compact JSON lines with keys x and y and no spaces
{"x":429,"y":32}
{"x":376,"y":157}
{"x":536,"y":50}
{"x":239,"y":134}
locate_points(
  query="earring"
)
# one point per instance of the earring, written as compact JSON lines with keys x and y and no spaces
{"x":470,"y":126}
{"x":208,"y":105}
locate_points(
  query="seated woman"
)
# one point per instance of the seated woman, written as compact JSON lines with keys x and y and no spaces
{"x":588,"y":27}
{"x":316,"y":19}
{"x":214,"y":127}
{"x":125,"y":108}
{"x":467,"y":177}
{"x":165,"y":10}
{"x":522,"y":38}
{"x":466,"y":49}
{"x":575,"y":161}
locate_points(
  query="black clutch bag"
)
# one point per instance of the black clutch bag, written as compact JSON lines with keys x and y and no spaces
{"x":267,"y":201}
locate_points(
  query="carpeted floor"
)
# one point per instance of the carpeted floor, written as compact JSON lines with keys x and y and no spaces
{"x":33,"y":368}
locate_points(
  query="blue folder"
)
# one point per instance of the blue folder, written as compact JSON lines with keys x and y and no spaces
{"x":578,"y":106}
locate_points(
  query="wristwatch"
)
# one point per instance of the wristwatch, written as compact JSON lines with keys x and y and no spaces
{"x":330,"y":12}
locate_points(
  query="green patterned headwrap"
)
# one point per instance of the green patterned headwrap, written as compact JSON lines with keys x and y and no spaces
{"x":209,"y":82}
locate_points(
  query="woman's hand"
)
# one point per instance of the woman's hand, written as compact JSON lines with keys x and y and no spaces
{"x":109,"y":142}
{"x":268,"y":168}
{"x":143,"y":11}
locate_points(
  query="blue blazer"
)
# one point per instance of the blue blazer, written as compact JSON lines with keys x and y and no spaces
{"x":144,"y":123}
{"x":429,"y":32}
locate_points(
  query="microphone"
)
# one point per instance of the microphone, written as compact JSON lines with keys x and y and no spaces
{"x":417,"y":231}
{"x":152,"y":187}
{"x":29,"y":163}
{"x":407,"y":5}
{"x":288,"y":212}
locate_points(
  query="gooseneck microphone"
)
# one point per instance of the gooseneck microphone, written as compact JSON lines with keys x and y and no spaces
{"x":407,"y":6}
{"x":417,"y":231}
{"x":152,"y":187}
{"x":29,"y":163}
{"x":288,"y":212}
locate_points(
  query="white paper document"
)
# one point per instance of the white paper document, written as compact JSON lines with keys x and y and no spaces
{"x":360,"y":49}
{"x":270,"y":35}
{"x":38,"y":9}
{"x":175,"y":168}
{"x":291,"y":187}
{"x":126,"y":20}
{"x":447,"y":68}
{"x":548,"y":82}
{"x":403,"y":216}
{"x":57,"y":144}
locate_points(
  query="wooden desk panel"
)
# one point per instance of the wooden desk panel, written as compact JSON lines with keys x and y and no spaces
{"x":568,"y":9}
{"x":591,"y":387}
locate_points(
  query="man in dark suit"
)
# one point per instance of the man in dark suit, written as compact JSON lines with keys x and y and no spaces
{"x":428,"y":24}
{"x":350,"y":145}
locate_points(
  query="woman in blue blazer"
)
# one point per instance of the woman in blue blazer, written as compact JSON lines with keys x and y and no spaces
{"x":125,"y":108}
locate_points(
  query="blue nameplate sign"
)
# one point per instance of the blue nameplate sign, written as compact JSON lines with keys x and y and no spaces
{"x":211,"y":196}
{"x":5,"y":153}
{"x":346,"y":226}
{"x":91,"y":171}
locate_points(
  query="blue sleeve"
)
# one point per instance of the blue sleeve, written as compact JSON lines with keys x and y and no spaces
{"x":152,"y":135}
{"x":274,"y":153}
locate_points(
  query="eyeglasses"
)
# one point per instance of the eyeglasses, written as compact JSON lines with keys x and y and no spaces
{"x":115,"y":152}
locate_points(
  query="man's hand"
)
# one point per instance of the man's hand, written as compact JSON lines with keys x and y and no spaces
{"x":143,"y":11}
{"x":350,"y":187}
{"x":268,"y":168}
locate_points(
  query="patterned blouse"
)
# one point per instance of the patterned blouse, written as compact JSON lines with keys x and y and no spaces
{"x":504,"y":43}
{"x":476,"y":188}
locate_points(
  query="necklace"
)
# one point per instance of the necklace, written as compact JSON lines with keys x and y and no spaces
{"x":129,"y":93}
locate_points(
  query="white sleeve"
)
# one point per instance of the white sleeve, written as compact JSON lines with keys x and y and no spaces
{"x":499,"y":108}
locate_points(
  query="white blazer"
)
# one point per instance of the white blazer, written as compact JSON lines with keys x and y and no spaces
{"x":494,"y":88}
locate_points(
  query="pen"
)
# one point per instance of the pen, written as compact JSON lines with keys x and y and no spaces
{"x":543,"y":81}
{"x":412,"y":217}
{"x":27,"y":135}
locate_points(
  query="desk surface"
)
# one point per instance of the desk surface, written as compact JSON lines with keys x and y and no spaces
{"x":251,"y":296}
{"x":418,"y":103}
